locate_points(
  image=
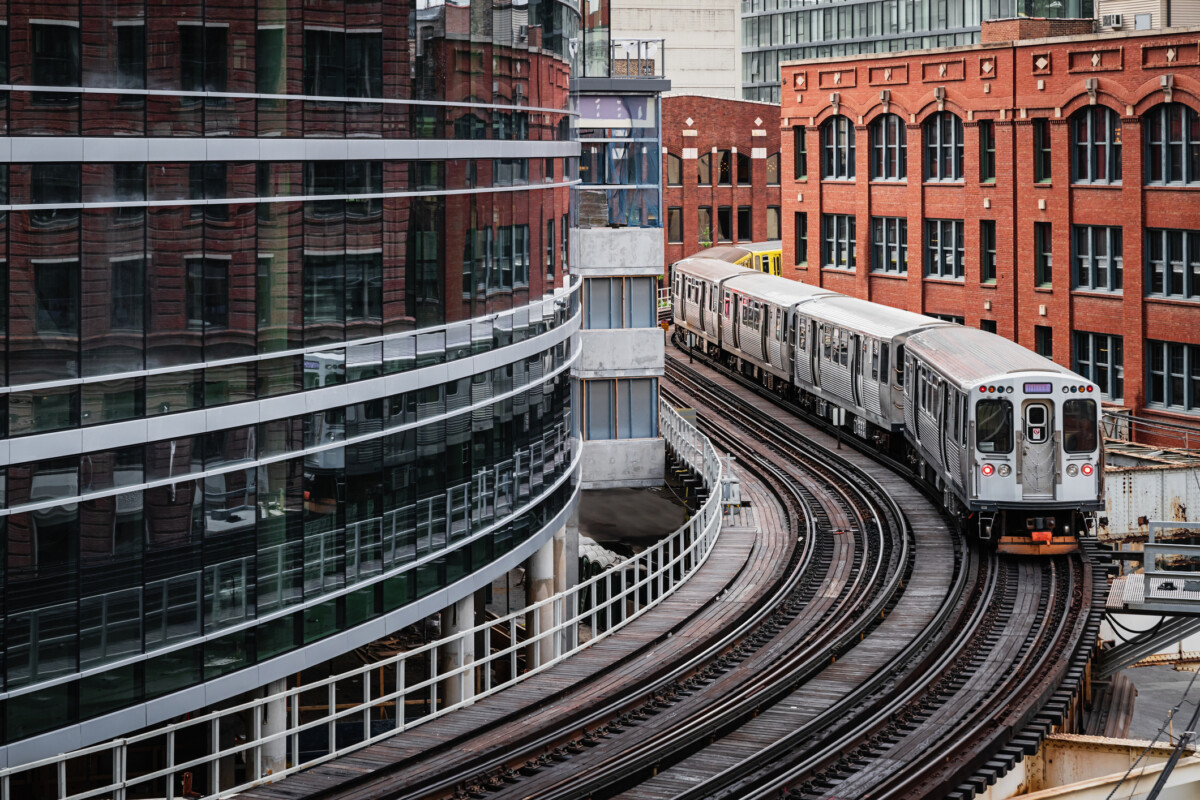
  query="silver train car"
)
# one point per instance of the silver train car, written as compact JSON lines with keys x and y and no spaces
{"x":1010,"y":440}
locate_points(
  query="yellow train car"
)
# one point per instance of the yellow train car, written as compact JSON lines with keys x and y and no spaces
{"x":761,"y":256}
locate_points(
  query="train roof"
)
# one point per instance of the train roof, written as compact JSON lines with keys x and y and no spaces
{"x":762,"y":247}
{"x":970,"y":356}
{"x":724,"y":252}
{"x":779,"y":291}
{"x":712,"y":269}
{"x":873,"y":319}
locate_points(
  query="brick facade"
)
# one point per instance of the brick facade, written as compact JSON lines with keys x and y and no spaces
{"x":739,"y":126}
{"x":1015,"y":87}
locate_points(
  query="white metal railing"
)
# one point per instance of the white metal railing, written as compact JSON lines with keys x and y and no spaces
{"x":227,"y":751}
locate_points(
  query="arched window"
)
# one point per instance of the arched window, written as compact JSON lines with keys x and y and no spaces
{"x":943,"y":147}
{"x":1172,"y":144}
{"x":1095,"y":146}
{"x":773,"y":169}
{"x":674,"y":170}
{"x":743,"y":169}
{"x":704,"y":170}
{"x":889,"y":149}
{"x":837,"y":148}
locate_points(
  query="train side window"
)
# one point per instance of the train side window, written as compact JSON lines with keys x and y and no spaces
{"x":802,"y":333}
{"x":827,"y":344}
{"x":994,"y":426}
{"x":900,"y":365}
{"x":1079,"y":426}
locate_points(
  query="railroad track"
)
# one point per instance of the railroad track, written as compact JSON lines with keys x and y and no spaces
{"x":883,"y":640}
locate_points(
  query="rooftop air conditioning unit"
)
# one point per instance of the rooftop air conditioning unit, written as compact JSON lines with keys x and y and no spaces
{"x":1111,"y":20}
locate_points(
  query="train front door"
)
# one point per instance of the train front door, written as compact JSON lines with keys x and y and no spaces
{"x":1037,"y":450}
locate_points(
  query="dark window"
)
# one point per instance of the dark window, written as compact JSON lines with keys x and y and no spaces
{"x":724,"y":167}
{"x":127,"y":294}
{"x":724,"y":223}
{"x":801,"y":219}
{"x":987,"y":325}
{"x":550,"y":243}
{"x":1043,"y":340}
{"x":53,"y":186}
{"x":944,"y":248}
{"x":773,"y":222}
{"x":1080,"y":426}
{"x":131,"y":56}
{"x":889,"y":149}
{"x":324,"y":63}
{"x":704,"y":170}
{"x":1096,"y":146}
{"x":1174,"y":375}
{"x":364,"y":64}
{"x":1172,"y":144}
{"x":1173,"y":263}
{"x":987,"y":251}
{"x":207,"y":293}
{"x":675,"y":224}
{"x":1041,"y":151}
{"x":838,"y":246}
{"x":889,"y":245}
{"x":364,"y":287}
{"x":1099,"y":357}
{"x":800,"y":149}
{"x":55,"y":60}
{"x":1098,"y":262}
{"x":837,"y":148}
{"x":745,"y":232}
{"x":203,"y":59}
{"x":674,"y":170}
{"x":704,"y":225}
{"x":56,"y":286}
{"x":270,"y":63}
{"x":943,"y":147}
{"x":129,"y":186}
{"x":326,"y":178}
{"x":365,"y":178}
{"x":743,"y":169}
{"x":987,"y":151}
{"x":207,"y":181}
{"x":1043,"y":254}
{"x":993,"y":426}
{"x":773,"y":169}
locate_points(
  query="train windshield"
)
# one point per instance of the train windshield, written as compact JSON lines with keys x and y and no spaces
{"x":1079,"y":426}
{"x":993,"y":426}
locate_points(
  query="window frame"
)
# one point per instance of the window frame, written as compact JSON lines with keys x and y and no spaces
{"x":1184,"y":149}
{"x":1160,"y":269}
{"x":943,"y":134}
{"x":837,"y":149}
{"x":1090,"y":155}
{"x":936,"y":249}
{"x":1043,"y":156}
{"x":889,"y":245}
{"x":839,"y":245}
{"x":1088,"y":365}
{"x":1087,"y":241}
{"x":987,"y":151}
{"x":889,"y":138}
{"x":1043,"y":254}
{"x":987,"y":251}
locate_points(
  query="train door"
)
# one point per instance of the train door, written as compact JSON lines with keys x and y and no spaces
{"x":856,"y":369}
{"x":1037,"y":454}
{"x":702,"y":305}
{"x":817,"y":345}
{"x":736,"y":323}
{"x":947,"y":423}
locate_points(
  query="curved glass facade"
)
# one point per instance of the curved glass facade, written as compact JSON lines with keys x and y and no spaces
{"x":284,"y":348}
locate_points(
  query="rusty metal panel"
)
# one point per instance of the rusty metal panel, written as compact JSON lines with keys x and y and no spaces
{"x":1135,"y":495}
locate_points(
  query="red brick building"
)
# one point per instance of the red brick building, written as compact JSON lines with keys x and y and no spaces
{"x":720,"y":172}
{"x":1046,"y":189}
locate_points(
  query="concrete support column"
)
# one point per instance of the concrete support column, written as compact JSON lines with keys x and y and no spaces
{"x":539,"y":585}
{"x":274,"y":720}
{"x":456,"y":619}
{"x":566,"y":573}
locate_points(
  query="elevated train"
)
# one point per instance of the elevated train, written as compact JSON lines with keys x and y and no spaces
{"x":1008,"y":439}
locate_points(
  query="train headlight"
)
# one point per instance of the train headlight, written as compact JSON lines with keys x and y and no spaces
{"x":987,"y":470}
{"x":1004,"y":470}
{"x":1072,"y":470}
{"x":1086,"y":469}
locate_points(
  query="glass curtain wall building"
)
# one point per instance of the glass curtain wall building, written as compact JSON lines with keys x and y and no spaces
{"x":774,"y":31}
{"x":285,"y":336}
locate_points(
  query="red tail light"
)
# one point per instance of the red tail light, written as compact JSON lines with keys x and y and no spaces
{"x":987,"y":470}
{"x":1086,"y":469}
